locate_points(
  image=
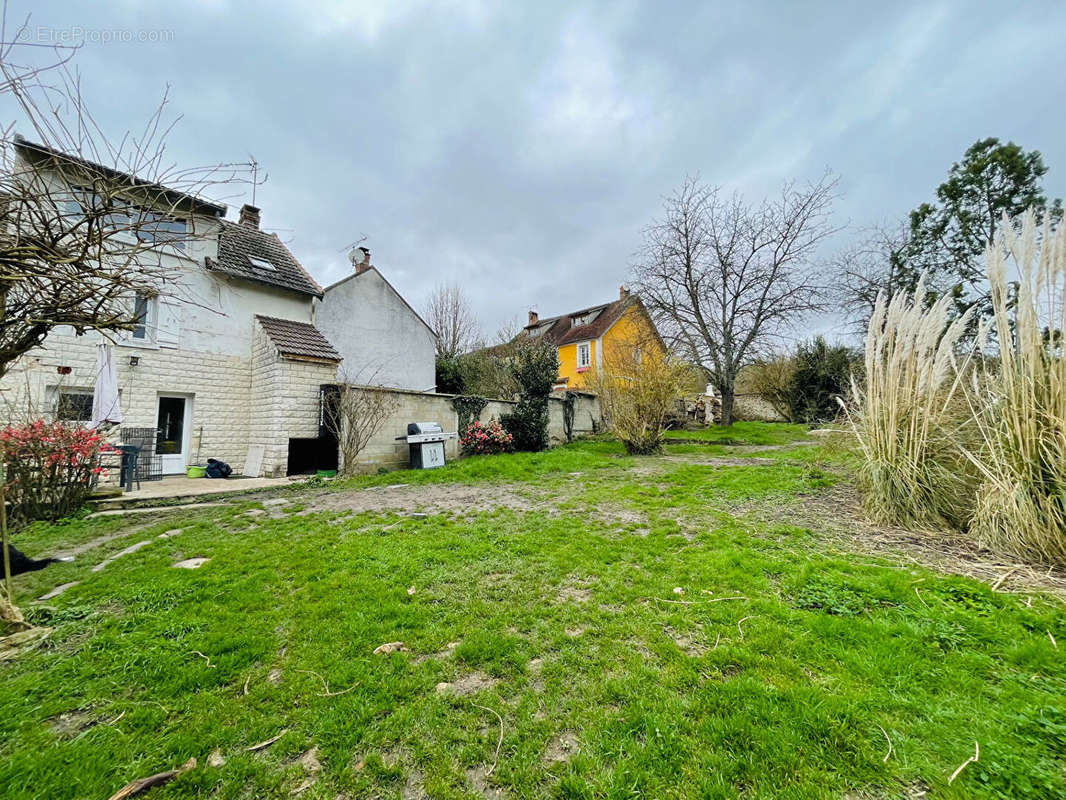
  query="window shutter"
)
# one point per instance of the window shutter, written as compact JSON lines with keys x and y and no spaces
{"x":168,"y":331}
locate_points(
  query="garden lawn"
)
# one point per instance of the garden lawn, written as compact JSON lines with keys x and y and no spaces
{"x":634,"y":631}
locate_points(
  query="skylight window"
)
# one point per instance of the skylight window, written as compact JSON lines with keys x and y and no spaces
{"x":262,"y":264}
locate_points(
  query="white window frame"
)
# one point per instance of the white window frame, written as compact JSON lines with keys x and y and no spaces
{"x":60,"y":391}
{"x":149,"y":227}
{"x":588,"y":354}
{"x":150,"y":323}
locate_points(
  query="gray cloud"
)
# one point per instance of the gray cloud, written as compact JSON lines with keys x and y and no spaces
{"x":518,"y":148}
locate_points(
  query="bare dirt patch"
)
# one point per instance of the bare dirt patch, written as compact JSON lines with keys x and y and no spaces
{"x":574,"y":594}
{"x":467,"y":685}
{"x":561,"y":748}
{"x":435,"y":498}
{"x":69,"y":724}
{"x":414,"y":788}
{"x":447,"y":652}
{"x":722,"y":461}
{"x":836,"y":514}
{"x":480,"y":782}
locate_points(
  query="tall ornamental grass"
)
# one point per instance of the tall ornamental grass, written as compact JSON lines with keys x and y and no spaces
{"x":1019,"y":401}
{"x":973,"y":438}
{"x":908,"y":414}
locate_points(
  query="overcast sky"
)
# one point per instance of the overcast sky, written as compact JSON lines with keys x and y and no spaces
{"x":517,"y":148}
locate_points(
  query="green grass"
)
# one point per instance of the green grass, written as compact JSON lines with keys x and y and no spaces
{"x":744,"y":433}
{"x":567,"y":615}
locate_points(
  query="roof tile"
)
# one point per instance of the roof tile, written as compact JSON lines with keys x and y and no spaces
{"x":238,"y":243}
{"x":298,"y":339}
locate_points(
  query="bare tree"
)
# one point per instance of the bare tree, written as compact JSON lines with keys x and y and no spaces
{"x":355,"y":414}
{"x":724,"y":279}
{"x":448,"y":312}
{"x":85,"y":220}
{"x":873,"y":264}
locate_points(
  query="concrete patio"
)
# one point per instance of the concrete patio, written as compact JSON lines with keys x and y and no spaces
{"x":178,"y":486}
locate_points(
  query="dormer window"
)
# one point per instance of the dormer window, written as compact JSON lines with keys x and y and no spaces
{"x":583,"y":319}
{"x":129,"y":222}
{"x":260,"y":263}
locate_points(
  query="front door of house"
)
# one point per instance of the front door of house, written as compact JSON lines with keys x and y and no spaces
{"x":173,"y":428}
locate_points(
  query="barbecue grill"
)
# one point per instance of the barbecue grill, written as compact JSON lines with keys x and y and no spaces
{"x":426,"y":443}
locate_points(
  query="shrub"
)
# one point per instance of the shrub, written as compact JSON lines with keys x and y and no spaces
{"x":487,"y":372}
{"x":820,"y":376}
{"x":638,"y":395}
{"x":979,"y":443}
{"x":50,"y":468}
{"x":535,"y":368}
{"x":449,"y":375}
{"x":479,"y":439}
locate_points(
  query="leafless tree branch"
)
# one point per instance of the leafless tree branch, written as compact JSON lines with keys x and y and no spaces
{"x":448,"y":312}
{"x":86,"y":220}
{"x":724,"y":279}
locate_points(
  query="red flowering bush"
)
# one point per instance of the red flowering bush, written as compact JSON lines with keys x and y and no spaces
{"x":50,"y":468}
{"x":486,"y":439}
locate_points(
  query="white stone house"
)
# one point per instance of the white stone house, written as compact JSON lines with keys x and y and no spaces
{"x":227,"y":358}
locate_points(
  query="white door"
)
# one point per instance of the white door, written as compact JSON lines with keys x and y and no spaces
{"x":173,"y":429}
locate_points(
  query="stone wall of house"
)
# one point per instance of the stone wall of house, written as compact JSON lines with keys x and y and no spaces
{"x":285,"y":396}
{"x":384,"y":450}
{"x":217,"y":385}
{"x":236,"y":401}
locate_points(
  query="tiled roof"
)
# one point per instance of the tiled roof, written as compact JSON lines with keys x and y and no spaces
{"x":298,"y":339}
{"x":561,"y":330}
{"x":238,"y":243}
{"x":199,"y":205}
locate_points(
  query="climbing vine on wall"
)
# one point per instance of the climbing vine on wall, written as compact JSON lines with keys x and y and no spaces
{"x":569,"y":401}
{"x":469,"y":408}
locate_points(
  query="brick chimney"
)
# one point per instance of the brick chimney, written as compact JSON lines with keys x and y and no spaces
{"x":360,"y":258}
{"x":250,"y":216}
{"x":533,"y":318}
{"x":623,"y":292}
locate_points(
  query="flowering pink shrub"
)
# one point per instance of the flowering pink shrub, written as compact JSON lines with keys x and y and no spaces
{"x":485,"y":439}
{"x":50,"y":468}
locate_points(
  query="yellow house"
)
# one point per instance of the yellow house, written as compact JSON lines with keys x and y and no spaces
{"x":584,"y":338}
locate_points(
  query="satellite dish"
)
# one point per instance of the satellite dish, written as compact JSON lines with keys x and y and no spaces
{"x":358,"y":255}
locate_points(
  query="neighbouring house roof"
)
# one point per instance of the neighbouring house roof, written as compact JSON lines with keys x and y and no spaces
{"x":561,"y":330}
{"x":240,"y":246}
{"x":197,"y":204}
{"x":298,"y":339}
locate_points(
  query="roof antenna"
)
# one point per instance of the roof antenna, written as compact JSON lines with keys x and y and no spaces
{"x":255,"y":174}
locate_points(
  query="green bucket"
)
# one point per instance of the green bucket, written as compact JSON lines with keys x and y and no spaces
{"x":193,"y":471}
{"x":327,"y":473}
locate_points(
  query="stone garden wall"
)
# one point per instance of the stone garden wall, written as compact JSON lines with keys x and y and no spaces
{"x":384,"y":450}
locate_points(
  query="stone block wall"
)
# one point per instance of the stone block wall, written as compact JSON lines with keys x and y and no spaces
{"x":236,"y":400}
{"x":753,"y":408}
{"x":285,"y":401}
{"x":385,"y":451}
{"x":217,"y":386}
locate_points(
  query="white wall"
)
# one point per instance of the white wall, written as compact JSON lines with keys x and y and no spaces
{"x":207,"y":357}
{"x":383,"y":342}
